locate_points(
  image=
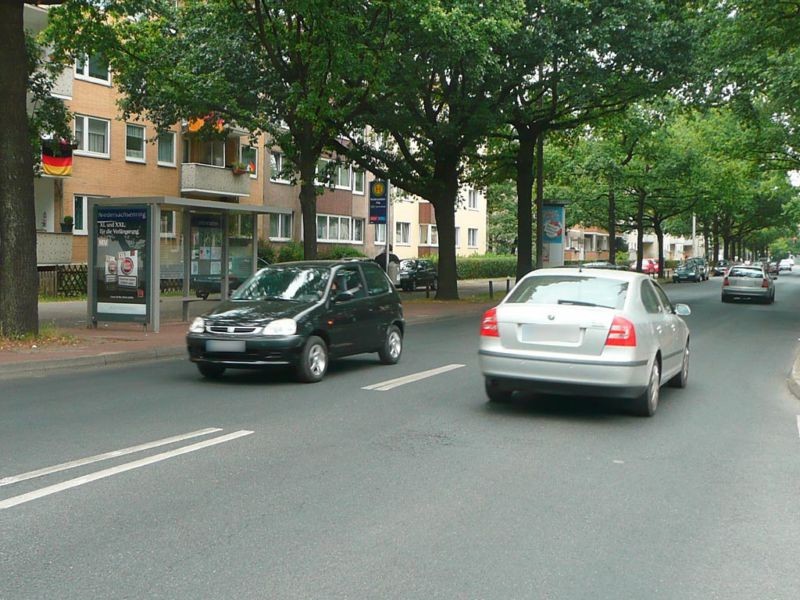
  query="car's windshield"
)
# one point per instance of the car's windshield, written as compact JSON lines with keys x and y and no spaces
{"x":287,"y":282}
{"x":570,"y":289}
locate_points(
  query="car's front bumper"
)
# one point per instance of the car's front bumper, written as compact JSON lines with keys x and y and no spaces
{"x":623,"y":378}
{"x":257,"y":352}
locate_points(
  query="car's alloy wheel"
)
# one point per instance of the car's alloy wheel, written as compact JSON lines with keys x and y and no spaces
{"x":682,"y":379}
{"x":392,"y":348}
{"x":210,"y":370}
{"x":495,"y":393}
{"x":648,"y":402}
{"x":313,"y":360}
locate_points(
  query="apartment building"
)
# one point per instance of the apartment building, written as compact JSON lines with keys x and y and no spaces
{"x":130,"y":158}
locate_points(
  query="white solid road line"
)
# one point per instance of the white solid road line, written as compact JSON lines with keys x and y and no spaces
{"x":385,"y":386}
{"x":105,"y":456}
{"x":60,"y":487}
{"x":798,"y":424}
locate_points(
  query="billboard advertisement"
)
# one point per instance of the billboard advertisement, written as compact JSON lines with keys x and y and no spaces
{"x":553,"y":234}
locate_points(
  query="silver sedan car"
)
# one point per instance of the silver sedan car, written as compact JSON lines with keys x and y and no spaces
{"x":585,"y":332}
{"x":748,"y":281}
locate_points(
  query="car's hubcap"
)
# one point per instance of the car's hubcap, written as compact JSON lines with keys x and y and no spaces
{"x":317,"y":360}
{"x":395,"y":344}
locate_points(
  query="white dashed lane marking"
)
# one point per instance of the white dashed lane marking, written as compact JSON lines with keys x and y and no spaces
{"x":385,"y":386}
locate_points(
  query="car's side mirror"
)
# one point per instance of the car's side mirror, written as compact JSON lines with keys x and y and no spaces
{"x":682,"y":310}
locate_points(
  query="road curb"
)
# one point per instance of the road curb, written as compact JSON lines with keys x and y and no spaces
{"x":40,"y":368}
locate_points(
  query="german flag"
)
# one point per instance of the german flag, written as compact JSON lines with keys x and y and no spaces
{"x":56,"y":158}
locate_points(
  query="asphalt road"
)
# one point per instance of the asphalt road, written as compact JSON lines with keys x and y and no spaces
{"x":421,"y":491}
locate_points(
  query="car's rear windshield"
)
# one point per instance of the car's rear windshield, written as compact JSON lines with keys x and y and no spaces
{"x":570,"y":289}
{"x":303,"y":284}
{"x":746,"y":272}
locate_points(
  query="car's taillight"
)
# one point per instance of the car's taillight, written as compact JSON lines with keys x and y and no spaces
{"x":725,"y":282}
{"x":489,"y":323}
{"x":621,"y":333}
{"x":765,"y":283}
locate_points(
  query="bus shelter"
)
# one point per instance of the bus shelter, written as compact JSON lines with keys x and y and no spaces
{"x":137,"y":243}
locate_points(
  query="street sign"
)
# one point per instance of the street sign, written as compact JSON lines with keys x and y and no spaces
{"x":378,"y":200}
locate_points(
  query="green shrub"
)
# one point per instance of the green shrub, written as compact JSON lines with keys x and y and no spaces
{"x":266,"y":251}
{"x":484,"y":267}
{"x":290,"y":252}
{"x":337,"y":252}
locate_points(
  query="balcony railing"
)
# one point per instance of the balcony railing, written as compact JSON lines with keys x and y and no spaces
{"x":209,"y":181}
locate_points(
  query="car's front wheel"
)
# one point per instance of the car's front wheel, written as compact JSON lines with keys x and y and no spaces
{"x":313,"y":363}
{"x":392,"y":347}
{"x":647,"y":403}
{"x":210,"y":370}
{"x":496,"y":393}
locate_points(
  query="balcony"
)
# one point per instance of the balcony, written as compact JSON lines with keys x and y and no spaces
{"x":208,"y":181}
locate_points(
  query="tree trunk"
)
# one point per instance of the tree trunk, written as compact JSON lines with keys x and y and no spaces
{"x":539,"y":199}
{"x":612,"y":222}
{"x":308,"y":203}
{"x":19,"y":285}
{"x":660,"y":240}
{"x":444,"y":204}
{"x":525,"y":155}
{"x":640,"y":230}
{"x":715,"y":235}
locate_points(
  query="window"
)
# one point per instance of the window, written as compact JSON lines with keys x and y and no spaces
{"x":358,"y":182}
{"x":349,"y":280}
{"x":321,"y":174}
{"x":249,"y":156}
{"x":280,"y":227}
{"x":80,"y":214}
{"x":428,"y":235}
{"x":649,"y":298}
{"x":166,"y":149}
{"x":92,"y":135}
{"x":377,"y":282}
{"x":472,"y":199}
{"x":276,"y":166}
{"x":343,"y":177}
{"x":134,"y":143}
{"x":186,"y":150}
{"x":565,"y":289}
{"x":380,"y":234}
{"x":472,"y":238}
{"x":212,"y":153}
{"x":332,"y":228}
{"x":458,"y":236}
{"x":167,"y":223}
{"x":402,"y":233}
{"x":94,"y":69}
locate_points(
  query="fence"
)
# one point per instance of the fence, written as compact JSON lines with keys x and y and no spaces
{"x":69,"y":281}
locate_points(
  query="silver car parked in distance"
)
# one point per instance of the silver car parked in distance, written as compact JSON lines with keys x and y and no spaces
{"x":585,"y":332}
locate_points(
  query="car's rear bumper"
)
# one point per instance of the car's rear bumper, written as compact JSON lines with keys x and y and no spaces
{"x":627,"y":379}
{"x":730,"y":292}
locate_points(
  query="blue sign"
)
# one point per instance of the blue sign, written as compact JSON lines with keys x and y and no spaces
{"x":553,"y":224}
{"x":378,"y":201}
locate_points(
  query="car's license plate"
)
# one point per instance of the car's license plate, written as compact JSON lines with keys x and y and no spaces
{"x":225,"y":346}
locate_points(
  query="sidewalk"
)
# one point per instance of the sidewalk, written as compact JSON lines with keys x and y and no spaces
{"x":115,"y":343}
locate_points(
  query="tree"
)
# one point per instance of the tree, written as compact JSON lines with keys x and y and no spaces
{"x":291,"y":68}
{"x":442,"y":85}
{"x":21,"y":72}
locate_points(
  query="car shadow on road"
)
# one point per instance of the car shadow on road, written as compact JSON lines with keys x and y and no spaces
{"x":589,"y":409}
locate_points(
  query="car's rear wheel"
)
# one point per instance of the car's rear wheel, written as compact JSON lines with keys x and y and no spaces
{"x":392,"y":347}
{"x":495,"y":393}
{"x":210,"y":370}
{"x":647,"y":403}
{"x":313,"y":362}
{"x":682,"y":379}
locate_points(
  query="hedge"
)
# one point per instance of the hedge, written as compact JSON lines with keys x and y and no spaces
{"x":483,"y":267}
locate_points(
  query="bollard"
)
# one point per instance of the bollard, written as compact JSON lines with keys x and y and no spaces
{"x":508,"y":284}
{"x":491,"y":289}
{"x":428,"y":290}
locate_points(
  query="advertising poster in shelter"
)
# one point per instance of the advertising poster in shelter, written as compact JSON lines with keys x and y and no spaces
{"x":206,"y":249}
{"x":121,"y":261}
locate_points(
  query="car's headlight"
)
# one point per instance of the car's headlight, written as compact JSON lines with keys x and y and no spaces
{"x":281,"y":327}
{"x":198,"y":325}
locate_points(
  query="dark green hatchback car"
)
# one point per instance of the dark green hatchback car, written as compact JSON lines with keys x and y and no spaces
{"x":301,"y":314}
